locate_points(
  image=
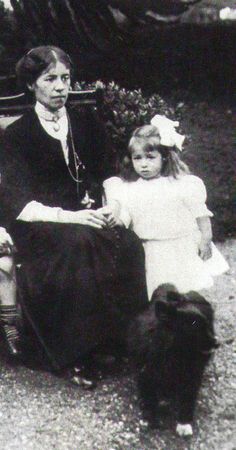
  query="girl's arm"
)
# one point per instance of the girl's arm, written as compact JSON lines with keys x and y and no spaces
{"x":195,"y":196}
{"x":115,"y":205}
{"x":204,"y":225}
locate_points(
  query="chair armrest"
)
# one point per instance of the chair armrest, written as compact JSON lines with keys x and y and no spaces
{"x":13,"y":106}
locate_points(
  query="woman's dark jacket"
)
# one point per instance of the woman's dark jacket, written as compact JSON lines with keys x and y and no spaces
{"x":78,"y":285}
{"x":33,"y":165}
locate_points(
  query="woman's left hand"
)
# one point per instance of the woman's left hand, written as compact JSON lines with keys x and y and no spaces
{"x":111,"y":216}
{"x":205,"y":250}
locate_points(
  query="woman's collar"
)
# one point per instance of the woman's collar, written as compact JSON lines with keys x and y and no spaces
{"x":47,"y":115}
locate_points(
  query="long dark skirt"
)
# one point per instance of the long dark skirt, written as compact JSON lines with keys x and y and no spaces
{"x":79,"y":286}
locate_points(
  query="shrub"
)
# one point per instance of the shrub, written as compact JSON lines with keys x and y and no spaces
{"x":124,"y":110}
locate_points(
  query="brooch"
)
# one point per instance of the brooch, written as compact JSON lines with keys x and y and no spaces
{"x":87,"y":201}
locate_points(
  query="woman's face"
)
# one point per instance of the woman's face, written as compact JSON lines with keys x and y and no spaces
{"x":147,"y":164}
{"x":52,"y":86}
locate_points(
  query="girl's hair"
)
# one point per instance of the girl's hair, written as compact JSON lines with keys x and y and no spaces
{"x":36,"y":61}
{"x":148,"y":138}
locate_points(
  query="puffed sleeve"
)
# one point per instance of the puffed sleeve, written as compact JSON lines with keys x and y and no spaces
{"x":115,"y":189}
{"x":195,"y":196}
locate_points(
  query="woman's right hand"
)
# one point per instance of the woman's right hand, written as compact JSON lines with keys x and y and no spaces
{"x":6,"y":244}
{"x":5,"y":238}
{"x":90,"y":217}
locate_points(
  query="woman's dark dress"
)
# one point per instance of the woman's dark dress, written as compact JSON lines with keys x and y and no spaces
{"x":79,"y":285}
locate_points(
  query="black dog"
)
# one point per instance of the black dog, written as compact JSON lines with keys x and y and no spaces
{"x":171,"y":343}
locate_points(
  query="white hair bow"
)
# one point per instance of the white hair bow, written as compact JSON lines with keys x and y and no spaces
{"x":167,"y":131}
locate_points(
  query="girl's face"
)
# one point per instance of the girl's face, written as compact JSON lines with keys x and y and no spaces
{"x":147,"y":164}
{"x":52,"y":87}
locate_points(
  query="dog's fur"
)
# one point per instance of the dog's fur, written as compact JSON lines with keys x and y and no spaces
{"x":170,"y":344}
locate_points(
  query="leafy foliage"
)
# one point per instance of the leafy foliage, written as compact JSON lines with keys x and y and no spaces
{"x":10,"y":42}
{"x":124,"y":110}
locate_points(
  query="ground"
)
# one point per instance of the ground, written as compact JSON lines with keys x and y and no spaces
{"x":40,"y":411}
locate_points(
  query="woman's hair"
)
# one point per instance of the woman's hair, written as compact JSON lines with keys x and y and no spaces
{"x":148,"y":138}
{"x":36,"y":61}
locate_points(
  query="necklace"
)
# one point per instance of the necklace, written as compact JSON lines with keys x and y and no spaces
{"x":87,"y":201}
{"x":56,"y":125}
{"x":48,"y":116}
{"x":78,"y":164}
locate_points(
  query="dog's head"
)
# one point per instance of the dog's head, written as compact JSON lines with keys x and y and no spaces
{"x":187,"y":318}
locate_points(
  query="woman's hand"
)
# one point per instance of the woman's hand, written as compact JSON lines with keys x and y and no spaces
{"x":111,"y":214}
{"x":6,"y":243}
{"x":106,"y":217}
{"x":5,"y":238}
{"x":205,"y":250}
{"x":91,"y":217}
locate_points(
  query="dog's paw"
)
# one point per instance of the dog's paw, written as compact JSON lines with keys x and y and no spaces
{"x":184,"y":429}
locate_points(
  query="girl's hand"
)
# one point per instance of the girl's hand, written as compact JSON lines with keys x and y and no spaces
{"x":205,"y":251}
{"x":5,"y":238}
{"x":91,"y":217}
{"x":204,"y":225}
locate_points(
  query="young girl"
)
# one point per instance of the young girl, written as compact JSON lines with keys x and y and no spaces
{"x":8,"y":309}
{"x":165,"y":205}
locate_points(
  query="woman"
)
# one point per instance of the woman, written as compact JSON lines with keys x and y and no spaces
{"x":81,"y":277}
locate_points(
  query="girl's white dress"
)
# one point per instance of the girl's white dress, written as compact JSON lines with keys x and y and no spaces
{"x":162,"y":212}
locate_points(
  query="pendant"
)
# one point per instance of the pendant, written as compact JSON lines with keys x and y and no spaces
{"x":56,"y":126}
